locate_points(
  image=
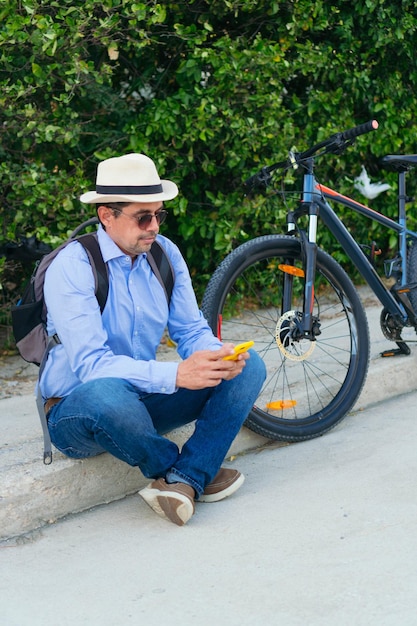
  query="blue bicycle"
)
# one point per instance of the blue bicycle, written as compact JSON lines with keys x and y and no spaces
{"x":302,"y":309}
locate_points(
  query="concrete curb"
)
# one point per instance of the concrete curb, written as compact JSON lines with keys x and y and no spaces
{"x":33,"y":494}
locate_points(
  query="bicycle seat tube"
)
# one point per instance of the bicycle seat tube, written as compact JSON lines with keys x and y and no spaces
{"x":402,"y":220}
{"x":309,"y":244}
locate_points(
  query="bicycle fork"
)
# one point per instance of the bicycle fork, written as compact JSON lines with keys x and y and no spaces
{"x":307,"y":325}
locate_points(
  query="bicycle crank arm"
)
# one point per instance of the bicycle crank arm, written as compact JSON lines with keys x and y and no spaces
{"x":402,"y":349}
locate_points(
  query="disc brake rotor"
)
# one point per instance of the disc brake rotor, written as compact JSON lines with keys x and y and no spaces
{"x":293,"y":349}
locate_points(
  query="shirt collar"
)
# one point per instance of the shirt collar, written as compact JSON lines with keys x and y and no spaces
{"x":109,"y":249}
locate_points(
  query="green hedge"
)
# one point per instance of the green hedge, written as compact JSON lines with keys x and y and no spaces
{"x":211,"y":91}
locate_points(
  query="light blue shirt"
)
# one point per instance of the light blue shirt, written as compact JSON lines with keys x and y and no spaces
{"x":121,"y":342}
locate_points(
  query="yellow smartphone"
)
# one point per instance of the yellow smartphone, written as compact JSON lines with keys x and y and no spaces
{"x":239,"y":349}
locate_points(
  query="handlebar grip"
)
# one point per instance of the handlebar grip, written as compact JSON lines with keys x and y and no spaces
{"x":362,"y":129}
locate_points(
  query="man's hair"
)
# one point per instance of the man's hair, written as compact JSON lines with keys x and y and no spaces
{"x":116,"y":208}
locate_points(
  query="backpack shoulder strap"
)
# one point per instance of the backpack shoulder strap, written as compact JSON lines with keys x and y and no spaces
{"x":162,"y":268}
{"x":101,"y":277}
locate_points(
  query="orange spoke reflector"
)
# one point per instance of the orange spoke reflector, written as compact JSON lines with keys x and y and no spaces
{"x":291,"y":269}
{"x":281,"y":404}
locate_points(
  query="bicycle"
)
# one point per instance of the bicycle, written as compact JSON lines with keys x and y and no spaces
{"x":301,"y":307}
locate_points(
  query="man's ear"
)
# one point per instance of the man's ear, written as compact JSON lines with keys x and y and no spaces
{"x":104,"y":214}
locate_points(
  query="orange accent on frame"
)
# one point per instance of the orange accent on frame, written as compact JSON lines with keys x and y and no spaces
{"x":336,"y":194}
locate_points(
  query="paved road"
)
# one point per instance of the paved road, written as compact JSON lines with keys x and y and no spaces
{"x":323,"y":533}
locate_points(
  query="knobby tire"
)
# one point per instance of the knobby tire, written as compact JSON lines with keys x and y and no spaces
{"x":308,"y":389}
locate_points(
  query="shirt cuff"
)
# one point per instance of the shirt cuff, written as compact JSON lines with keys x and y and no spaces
{"x":164,"y":377}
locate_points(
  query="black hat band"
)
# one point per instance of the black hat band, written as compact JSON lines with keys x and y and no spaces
{"x":129,"y":191}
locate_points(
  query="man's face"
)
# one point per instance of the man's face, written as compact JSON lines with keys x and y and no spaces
{"x":124,"y":228}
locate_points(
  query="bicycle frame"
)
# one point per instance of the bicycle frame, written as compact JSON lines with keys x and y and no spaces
{"x":314,"y":204}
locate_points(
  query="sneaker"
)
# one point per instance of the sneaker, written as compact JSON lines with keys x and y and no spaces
{"x":172,"y":501}
{"x":224,"y":484}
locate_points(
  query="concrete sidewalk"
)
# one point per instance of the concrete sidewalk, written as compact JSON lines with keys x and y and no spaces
{"x":322,"y":533}
{"x":33,"y":494}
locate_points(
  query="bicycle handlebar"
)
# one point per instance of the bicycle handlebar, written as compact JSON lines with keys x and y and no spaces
{"x":362,"y":129}
{"x":335,"y":144}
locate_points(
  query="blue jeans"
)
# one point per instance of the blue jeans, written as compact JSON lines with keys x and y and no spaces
{"x":110,"y":414}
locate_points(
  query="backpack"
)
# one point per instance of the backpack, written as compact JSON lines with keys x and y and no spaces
{"x":29,"y":314}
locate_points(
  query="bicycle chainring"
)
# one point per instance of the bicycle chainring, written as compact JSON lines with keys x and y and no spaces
{"x":293,"y":349}
{"x":390,"y":327}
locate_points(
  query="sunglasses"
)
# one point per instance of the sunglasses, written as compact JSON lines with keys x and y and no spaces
{"x":143,"y":221}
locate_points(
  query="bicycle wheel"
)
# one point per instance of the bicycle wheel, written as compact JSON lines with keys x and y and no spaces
{"x":310,"y":385}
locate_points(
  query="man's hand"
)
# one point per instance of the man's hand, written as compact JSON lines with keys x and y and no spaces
{"x":206,"y":368}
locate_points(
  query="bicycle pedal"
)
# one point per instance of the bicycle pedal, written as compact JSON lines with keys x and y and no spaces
{"x":402,"y":349}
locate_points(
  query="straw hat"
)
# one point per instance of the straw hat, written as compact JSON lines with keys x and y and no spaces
{"x":129,"y":178}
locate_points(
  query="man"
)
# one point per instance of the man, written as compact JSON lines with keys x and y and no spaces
{"x":102,"y":386}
